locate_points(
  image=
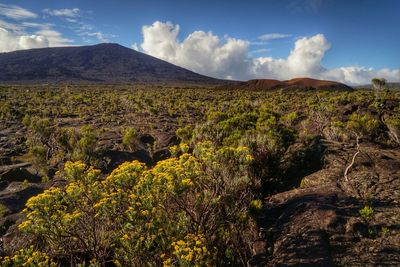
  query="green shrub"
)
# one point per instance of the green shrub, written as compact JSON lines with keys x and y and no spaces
{"x":290,"y":119}
{"x":393,"y":124}
{"x":256,"y":207}
{"x":38,"y":155}
{"x":185,"y":134}
{"x":362,"y":125}
{"x":84,"y":144}
{"x":385,"y":231}
{"x":25,"y":184}
{"x":367,"y":213}
{"x":41,"y":127}
{"x":26,"y":120}
{"x":302,"y":183}
{"x":129,"y":138}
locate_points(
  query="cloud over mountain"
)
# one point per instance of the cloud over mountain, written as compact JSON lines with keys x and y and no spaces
{"x":10,"y":41}
{"x":200,"y":51}
{"x":227,"y":57}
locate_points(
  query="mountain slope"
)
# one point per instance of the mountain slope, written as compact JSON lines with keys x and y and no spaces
{"x":298,"y":83}
{"x":104,"y":63}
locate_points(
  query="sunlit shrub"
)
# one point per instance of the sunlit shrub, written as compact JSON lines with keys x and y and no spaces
{"x":38,"y":154}
{"x":83,"y":143}
{"x":366,"y":213}
{"x":185,"y":133}
{"x":393,"y":124}
{"x":129,"y":138}
{"x":362,"y":125}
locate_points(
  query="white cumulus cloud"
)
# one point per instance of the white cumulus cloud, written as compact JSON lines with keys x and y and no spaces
{"x":303,"y":61}
{"x":200,"y":51}
{"x":18,"y":31}
{"x":17,"y":40}
{"x":33,"y":41}
{"x":10,"y":41}
{"x":230,"y":58}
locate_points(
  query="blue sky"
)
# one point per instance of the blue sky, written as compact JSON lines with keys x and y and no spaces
{"x":359,"y":33}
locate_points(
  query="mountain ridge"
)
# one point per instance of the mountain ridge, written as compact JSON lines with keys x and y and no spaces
{"x":101,"y":63}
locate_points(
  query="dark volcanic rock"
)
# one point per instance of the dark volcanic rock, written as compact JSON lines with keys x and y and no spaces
{"x":147,"y":139}
{"x":161,"y":154}
{"x":114,"y":158}
{"x":320,"y":224}
{"x":15,"y":195}
{"x":17,"y":173}
{"x":167,"y":140}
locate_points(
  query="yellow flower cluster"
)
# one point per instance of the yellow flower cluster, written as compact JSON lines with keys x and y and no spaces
{"x":216,"y":157}
{"x":127,"y":174}
{"x":69,"y":217}
{"x":174,"y":174}
{"x":79,"y":172}
{"x":25,"y":225}
{"x":41,"y":206}
{"x":184,"y":147}
{"x":74,"y":169}
{"x":28,"y":257}
{"x":192,"y":251}
{"x":173,"y":150}
{"x":41,"y":200}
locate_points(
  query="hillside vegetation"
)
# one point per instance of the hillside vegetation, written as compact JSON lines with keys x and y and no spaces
{"x":160,"y":176}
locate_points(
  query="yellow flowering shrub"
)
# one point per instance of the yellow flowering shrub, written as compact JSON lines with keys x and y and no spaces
{"x":152,"y":219}
{"x":66,"y":218}
{"x":134,"y":214}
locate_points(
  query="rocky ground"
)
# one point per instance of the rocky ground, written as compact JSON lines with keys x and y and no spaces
{"x":320,"y":224}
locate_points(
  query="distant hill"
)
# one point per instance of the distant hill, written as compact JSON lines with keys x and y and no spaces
{"x":298,"y":83}
{"x":390,"y":86}
{"x":102,"y":63}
